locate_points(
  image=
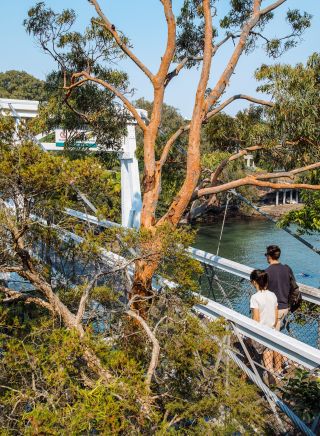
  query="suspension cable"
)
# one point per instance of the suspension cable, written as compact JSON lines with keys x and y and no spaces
{"x":223,"y":222}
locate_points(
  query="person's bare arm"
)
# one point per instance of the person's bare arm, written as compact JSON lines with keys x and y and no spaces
{"x":256,"y":315}
{"x":276,"y":317}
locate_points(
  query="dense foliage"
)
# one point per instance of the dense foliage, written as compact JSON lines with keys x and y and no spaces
{"x":295,"y":118}
{"x":21,"y":85}
{"x":48,"y":385}
{"x":88,"y":107}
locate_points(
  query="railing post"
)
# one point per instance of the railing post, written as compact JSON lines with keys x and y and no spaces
{"x":131,"y":202}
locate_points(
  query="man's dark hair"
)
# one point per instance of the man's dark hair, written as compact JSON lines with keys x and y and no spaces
{"x":273,"y":251}
{"x":260,"y":277}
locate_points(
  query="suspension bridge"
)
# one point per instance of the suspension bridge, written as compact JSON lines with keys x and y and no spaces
{"x":299,"y":342}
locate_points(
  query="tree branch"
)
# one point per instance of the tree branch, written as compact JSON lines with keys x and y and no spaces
{"x":224,"y":163}
{"x":209,"y":115}
{"x":170,"y":142}
{"x":271,"y":7}
{"x":261,"y":180}
{"x":256,"y":6}
{"x":193,"y":168}
{"x":111,"y":28}
{"x":10,"y":269}
{"x":13,"y":295}
{"x":288,"y":173}
{"x":155,"y":346}
{"x":171,"y":41}
{"x":237,"y":97}
{"x":181,"y":65}
{"x":224,"y":79}
{"x":88,"y":289}
{"x":111,"y":88}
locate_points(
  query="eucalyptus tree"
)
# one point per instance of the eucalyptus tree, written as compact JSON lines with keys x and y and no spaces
{"x":191,"y":41}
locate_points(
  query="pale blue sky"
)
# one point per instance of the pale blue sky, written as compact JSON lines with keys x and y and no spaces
{"x":142,"y":21}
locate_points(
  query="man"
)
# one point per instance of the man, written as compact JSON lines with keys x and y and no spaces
{"x":279,"y":283}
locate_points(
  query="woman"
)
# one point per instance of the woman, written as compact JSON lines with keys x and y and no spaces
{"x":264,"y":307}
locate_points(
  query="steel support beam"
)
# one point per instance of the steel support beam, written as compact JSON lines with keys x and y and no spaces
{"x":295,"y":350}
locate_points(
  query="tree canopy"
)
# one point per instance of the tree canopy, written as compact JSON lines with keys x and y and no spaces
{"x":21,"y":85}
{"x":295,"y":119}
{"x":88,"y":107}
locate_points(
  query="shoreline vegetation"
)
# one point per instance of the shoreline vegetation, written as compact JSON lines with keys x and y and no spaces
{"x":236,"y":213}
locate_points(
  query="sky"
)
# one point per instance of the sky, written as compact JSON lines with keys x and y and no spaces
{"x":143,"y":22}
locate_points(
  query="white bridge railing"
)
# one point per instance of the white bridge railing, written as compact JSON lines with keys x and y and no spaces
{"x":309,"y":293}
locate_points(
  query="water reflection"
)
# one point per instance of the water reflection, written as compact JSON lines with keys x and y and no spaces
{"x":245,"y":241}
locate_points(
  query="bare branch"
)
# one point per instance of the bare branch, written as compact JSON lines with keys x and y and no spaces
{"x":10,"y":269}
{"x":111,"y":28}
{"x":111,"y":88}
{"x":288,"y":173}
{"x":216,"y":173}
{"x":170,"y":143}
{"x":84,"y":300}
{"x":271,"y":7}
{"x":261,"y":180}
{"x":171,"y":41}
{"x":237,"y":97}
{"x":88,"y":289}
{"x":256,"y":6}
{"x":177,"y":70}
{"x":224,"y":79}
{"x":181,"y":65}
{"x":249,"y":180}
{"x":155,"y":346}
{"x":13,"y":295}
{"x":209,"y":115}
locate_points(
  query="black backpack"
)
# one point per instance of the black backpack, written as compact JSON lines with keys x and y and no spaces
{"x":295,"y":297}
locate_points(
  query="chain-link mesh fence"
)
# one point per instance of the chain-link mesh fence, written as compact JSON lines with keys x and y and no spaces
{"x":293,"y":384}
{"x":235,"y":293}
{"x":290,"y":390}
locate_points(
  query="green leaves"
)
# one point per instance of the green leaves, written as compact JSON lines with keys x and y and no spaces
{"x":21,"y":85}
{"x":302,"y":392}
{"x":89,"y":107}
{"x":308,"y":218}
{"x":295,"y":115}
{"x":190,"y":39}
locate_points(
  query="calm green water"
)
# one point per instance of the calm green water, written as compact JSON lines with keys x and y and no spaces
{"x":245,"y":242}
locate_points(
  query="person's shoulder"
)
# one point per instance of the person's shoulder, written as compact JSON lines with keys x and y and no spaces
{"x":288,"y":268}
{"x":271,"y":295}
{"x":254,"y":299}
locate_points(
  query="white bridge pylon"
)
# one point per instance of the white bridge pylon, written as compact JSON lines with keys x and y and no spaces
{"x":131,"y":202}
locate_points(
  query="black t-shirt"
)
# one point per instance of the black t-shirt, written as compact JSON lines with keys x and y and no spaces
{"x":279,"y":283}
